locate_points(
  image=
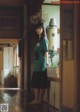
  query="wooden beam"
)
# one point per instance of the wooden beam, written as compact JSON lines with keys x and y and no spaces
{"x":9,"y":41}
{"x":11,"y":2}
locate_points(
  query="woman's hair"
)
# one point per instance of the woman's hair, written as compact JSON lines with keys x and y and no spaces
{"x":40,"y":25}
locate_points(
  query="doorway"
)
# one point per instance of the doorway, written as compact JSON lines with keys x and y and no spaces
{"x":51,"y":18}
{"x":10,"y":64}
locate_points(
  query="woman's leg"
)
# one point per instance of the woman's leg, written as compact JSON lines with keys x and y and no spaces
{"x":37,"y":92}
{"x":41,"y":95}
{"x":36,"y":99}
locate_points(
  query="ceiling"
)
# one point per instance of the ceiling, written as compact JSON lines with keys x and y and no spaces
{"x":12,"y":16}
{"x":9,"y":12}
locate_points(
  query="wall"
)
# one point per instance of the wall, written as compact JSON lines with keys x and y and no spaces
{"x":52,"y":12}
{"x":68,"y":83}
{"x":69,"y":75}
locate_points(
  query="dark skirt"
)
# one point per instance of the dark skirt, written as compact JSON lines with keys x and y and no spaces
{"x":39,"y":79}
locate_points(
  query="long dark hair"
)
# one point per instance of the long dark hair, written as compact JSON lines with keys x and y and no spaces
{"x":40,"y":25}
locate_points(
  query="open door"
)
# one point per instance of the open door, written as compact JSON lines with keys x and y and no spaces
{"x":51,"y":18}
{"x":9,"y":64}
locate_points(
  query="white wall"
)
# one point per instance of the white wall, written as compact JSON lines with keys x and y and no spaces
{"x":48,"y":12}
{"x":49,"y":1}
{"x":51,"y":11}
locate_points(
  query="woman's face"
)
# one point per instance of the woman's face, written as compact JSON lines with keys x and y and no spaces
{"x":39,"y":30}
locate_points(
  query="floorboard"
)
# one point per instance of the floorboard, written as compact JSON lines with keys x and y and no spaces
{"x":17,"y":101}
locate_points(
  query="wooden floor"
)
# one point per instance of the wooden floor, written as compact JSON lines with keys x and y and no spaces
{"x":18,"y":102}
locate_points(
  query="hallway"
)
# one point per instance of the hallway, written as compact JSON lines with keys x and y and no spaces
{"x":17,"y":102}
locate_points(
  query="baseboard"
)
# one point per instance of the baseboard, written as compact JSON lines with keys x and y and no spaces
{"x":66,"y":109}
{"x":51,"y":106}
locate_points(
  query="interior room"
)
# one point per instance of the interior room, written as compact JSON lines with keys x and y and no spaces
{"x":17,"y":40}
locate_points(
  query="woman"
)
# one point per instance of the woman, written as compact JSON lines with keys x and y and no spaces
{"x":39,"y":77}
